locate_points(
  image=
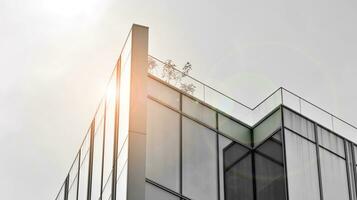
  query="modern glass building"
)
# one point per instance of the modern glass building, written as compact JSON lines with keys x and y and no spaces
{"x":159,"y":134}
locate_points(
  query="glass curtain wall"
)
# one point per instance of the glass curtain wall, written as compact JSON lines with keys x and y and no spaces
{"x":196,"y":152}
{"x":333,"y":166}
{"x":185,"y":146}
{"x":222,"y":154}
{"x":98,"y":175}
{"x":269,"y":169}
{"x":238,"y":172}
{"x":317,"y":161}
{"x":256,"y":173}
{"x":91,"y":174}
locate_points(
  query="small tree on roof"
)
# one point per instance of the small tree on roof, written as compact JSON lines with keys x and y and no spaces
{"x":173,"y":76}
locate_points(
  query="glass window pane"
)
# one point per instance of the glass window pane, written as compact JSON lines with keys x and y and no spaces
{"x":299,"y":124}
{"x":199,"y":161}
{"x":267,"y":127}
{"x":97,"y":158}
{"x":83,"y":178}
{"x":155,"y":193}
{"x":60,"y":195}
{"x":269,"y":170}
{"x":333,"y":176}
{"x":163,"y":93}
{"x":277,"y":137}
{"x":109,"y":130}
{"x":199,"y":111}
{"x":331,"y":141}
{"x":73,"y":177}
{"x":123,"y":122}
{"x":163,"y":140}
{"x":107,"y":188}
{"x":350,"y":166}
{"x":270,"y":180}
{"x":273,"y":149}
{"x":122,"y":173}
{"x":122,"y":181}
{"x":223,"y":143}
{"x":72,"y":192}
{"x":232,"y":153}
{"x":239,"y":180}
{"x":234,"y":130}
{"x":301,"y":161}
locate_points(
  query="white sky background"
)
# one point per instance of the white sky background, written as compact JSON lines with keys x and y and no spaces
{"x":57,"y":55}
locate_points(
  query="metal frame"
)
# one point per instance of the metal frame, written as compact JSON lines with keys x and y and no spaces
{"x":78,"y":172}
{"x":66,"y":187}
{"x":347,"y":168}
{"x":90,"y":167}
{"x":318,"y":162}
{"x":217,"y":152}
{"x":181,"y":156}
{"x":284,"y":149}
{"x":353,"y":153}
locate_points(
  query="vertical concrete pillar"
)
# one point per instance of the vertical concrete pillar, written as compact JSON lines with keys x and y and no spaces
{"x":137,"y":114}
{"x":129,"y":156}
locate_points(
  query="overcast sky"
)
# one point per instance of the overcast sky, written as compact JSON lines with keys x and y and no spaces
{"x":57,"y":55}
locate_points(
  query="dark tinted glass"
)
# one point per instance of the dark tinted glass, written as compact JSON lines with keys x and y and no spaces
{"x":269,"y":179}
{"x":233,"y":153}
{"x":269,"y":170}
{"x":238,"y":173}
{"x":272,"y":148}
{"x":239,"y":180}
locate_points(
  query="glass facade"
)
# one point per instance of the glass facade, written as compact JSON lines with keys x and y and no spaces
{"x":196,"y":149}
{"x":317,"y":161}
{"x":196,"y":152}
{"x":284,"y":156}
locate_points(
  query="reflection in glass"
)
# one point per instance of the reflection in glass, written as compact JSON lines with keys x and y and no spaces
{"x":267,"y":127}
{"x":269,"y":170}
{"x":97,"y":158}
{"x":162,"y":146}
{"x":223,"y":142}
{"x":333,"y":176}
{"x":163,"y":93}
{"x":199,"y":111}
{"x":155,"y":193}
{"x":262,"y":167}
{"x":301,"y":161}
{"x":238,"y":173}
{"x":234,"y":130}
{"x":199,"y":161}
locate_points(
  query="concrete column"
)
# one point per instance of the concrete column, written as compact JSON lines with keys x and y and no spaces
{"x":138,"y":112}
